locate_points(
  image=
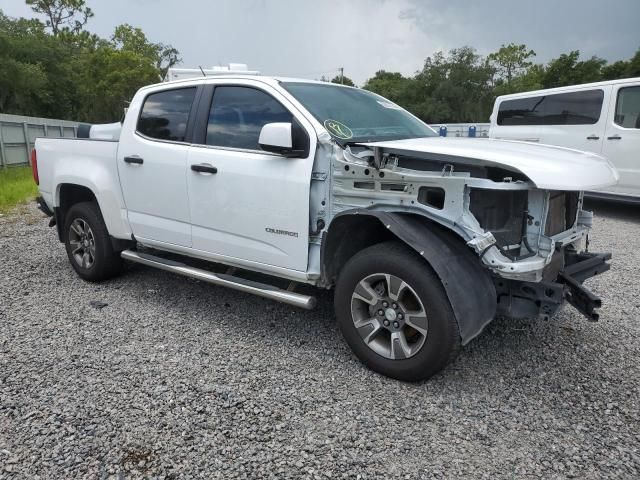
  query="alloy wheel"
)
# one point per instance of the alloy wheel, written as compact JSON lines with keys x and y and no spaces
{"x":389,"y":316}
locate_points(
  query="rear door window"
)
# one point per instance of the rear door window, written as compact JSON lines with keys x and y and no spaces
{"x":573,"y":108}
{"x":238,"y":114}
{"x":165,"y":114}
{"x":628,"y":107}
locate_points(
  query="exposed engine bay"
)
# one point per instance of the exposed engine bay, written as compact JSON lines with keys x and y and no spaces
{"x":527,"y":236}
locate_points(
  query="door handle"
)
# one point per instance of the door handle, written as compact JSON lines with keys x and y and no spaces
{"x":134,"y":159}
{"x":593,"y":137}
{"x":204,"y":168}
{"x":615,"y":137}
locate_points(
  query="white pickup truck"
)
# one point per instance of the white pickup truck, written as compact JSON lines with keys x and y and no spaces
{"x":424,"y":239}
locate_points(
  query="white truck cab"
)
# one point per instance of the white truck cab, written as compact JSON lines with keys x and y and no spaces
{"x":423,"y":239}
{"x":602,"y":118}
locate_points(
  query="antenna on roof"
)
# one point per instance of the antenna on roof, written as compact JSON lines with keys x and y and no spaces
{"x":174,"y":74}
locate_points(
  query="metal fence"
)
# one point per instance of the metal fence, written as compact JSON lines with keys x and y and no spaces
{"x":18,"y":135}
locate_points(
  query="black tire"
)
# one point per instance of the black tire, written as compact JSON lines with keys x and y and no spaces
{"x":441,"y":340}
{"x":106,"y":262}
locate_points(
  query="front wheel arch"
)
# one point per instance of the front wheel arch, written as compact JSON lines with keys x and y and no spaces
{"x":469,"y":285}
{"x":421,"y":339}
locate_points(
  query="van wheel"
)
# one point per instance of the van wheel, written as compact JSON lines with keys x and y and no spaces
{"x":394,"y":313}
{"x":88,"y":243}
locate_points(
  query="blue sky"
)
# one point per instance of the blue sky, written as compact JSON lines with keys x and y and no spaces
{"x":308,"y":38}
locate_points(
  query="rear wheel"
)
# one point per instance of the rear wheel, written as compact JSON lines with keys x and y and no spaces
{"x":394,"y":313}
{"x":88,"y":243}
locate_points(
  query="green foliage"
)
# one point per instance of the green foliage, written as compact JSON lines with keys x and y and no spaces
{"x":511,"y":61}
{"x":461,"y":86}
{"x":449,"y":88}
{"x":57,"y":70}
{"x":16,"y":186}
{"x":110,"y":78}
{"x":133,"y":40}
{"x":391,"y":85}
{"x":62,"y":15}
{"x":342,"y":80}
{"x":622,"y":69}
{"x":567,"y":69}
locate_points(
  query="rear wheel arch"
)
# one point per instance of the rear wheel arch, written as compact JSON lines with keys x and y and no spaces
{"x":68,"y":195}
{"x":88,"y":243}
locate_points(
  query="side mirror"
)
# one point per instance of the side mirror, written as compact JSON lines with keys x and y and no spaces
{"x":279,"y":138}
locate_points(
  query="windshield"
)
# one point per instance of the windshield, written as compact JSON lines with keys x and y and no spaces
{"x":352,"y":115}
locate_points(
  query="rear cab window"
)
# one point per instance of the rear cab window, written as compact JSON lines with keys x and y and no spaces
{"x":571,"y":108}
{"x":164,"y":115}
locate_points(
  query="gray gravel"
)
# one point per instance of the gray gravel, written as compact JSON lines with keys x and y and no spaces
{"x":177,"y":379}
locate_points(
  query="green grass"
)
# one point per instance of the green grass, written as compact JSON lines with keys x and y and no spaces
{"x":16,"y":186}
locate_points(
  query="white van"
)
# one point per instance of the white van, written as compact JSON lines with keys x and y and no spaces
{"x":602,"y":117}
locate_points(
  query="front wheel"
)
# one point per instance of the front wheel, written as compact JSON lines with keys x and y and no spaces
{"x":394,"y":313}
{"x":88,"y":243}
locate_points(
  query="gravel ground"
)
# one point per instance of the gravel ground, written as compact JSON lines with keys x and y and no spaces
{"x":179,"y":379}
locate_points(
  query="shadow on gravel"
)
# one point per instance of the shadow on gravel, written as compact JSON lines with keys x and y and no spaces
{"x":614,"y":210}
{"x":504,"y":350}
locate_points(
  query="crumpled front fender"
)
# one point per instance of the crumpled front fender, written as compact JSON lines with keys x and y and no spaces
{"x":468,"y":284}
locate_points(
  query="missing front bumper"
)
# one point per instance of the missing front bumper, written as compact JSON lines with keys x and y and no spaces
{"x":517,"y":299}
{"x":583,"y":266}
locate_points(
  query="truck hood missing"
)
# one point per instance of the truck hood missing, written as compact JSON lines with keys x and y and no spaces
{"x":548,"y":167}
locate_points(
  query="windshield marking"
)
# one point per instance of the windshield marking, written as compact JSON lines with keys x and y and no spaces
{"x":338,"y":129}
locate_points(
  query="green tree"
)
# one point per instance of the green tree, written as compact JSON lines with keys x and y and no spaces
{"x":343,"y":80}
{"x":75,"y":75}
{"x":568,"y":69}
{"x":453,"y":88}
{"x":511,"y":61}
{"x":110,"y":79}
{"x":633,"y":67}
{"x":391,"y":85}
{"x":72,"y":15}
{"x":21,"y":83}
{"x":132,"y":39}
{"x":36,"y":75}
{"x":526,"y":82}
{"x":615,"y":70}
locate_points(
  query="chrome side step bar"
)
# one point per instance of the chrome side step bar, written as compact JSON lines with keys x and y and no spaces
{"x":248,"y":286}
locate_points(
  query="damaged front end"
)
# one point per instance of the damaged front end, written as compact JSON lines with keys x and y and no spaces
{"x":533,"y":240}
{"x":536,"y":243}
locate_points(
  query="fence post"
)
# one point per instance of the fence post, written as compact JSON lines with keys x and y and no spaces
{"x":25,"y":129}
{"x":3,"y":155}
{"x":61,"y":131}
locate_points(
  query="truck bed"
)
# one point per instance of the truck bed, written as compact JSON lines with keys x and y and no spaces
{"x":86,"y":163}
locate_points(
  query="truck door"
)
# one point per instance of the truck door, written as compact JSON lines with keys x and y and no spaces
{"x":247,"y":204}
{"x":152,"y":164}
{"x":622,"y":138}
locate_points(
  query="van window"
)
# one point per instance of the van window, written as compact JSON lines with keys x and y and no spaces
{"x":165,"y":114}
{"x":628,"y":107}
{"x":238,"y":114}
{"x":574,"y":108}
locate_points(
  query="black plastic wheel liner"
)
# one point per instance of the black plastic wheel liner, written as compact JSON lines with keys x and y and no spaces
{"x":468,"y":284}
